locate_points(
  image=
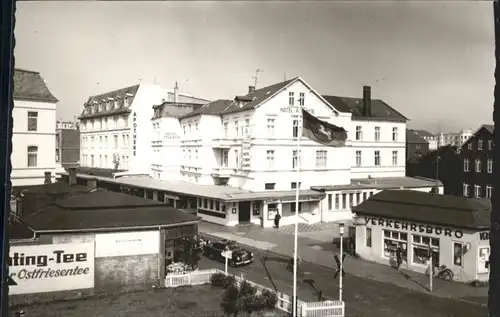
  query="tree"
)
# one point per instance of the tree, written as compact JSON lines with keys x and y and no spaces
{"x":244,"y":298}
{"x":192,"y":253}
{"x":116,"y":161}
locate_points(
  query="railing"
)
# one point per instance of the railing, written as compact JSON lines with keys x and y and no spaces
{"x":304,"y":309}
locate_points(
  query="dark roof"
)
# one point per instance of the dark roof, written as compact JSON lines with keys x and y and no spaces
{"x":29,"y":85}
{"x":20,"y":231}
{"x":379,"y":109}
{"x":240,"y":103}
{"x":103,"y":199}
{"x":59,"y":219}
{"x":174,"y":109}
{"x":412,"y":137}
{"x":423,"y":133}
{"x":409,"y":205}
{"x":489,"y":127}
{"x":115,"y":94}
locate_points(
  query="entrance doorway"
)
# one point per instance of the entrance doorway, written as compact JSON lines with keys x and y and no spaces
{"x":244,"y":212}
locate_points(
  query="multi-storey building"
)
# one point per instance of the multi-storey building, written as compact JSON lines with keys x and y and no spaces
{"x":477,"y":158}
{"x":67,"y":143}
{"x":454,"y":139}
{"x":429,"y":137}
{"x":416,"y":146}
{"x":34,"y":130}
{"x":116,"y":130}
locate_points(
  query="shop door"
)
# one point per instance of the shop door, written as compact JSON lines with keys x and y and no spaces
{"x":244,"y":212}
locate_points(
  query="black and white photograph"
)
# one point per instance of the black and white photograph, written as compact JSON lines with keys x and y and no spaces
{"x":250,"y":158}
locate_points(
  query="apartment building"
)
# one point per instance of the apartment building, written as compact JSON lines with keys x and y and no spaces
{"x":429,"y":137}
{"x":416,"y":146}
{"x":33,"y":131}
{"x":454,"y":139}
{"x":67,"y":144}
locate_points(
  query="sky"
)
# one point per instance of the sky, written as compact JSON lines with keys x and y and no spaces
{"x":432,"y":61}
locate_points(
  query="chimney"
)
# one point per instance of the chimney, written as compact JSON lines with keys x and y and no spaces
{"x":251,"y":89}
{"x":48,"y":178}
{"x":72,"y":176}
{"x":92,"y":183}
{"x":176,"y":92}
{"x":367,"y":101}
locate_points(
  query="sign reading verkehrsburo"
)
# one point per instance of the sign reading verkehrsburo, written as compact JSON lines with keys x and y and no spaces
{"x":51,"y":267}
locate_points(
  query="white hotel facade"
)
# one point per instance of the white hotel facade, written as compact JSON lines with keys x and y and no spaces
{"x":236,"y":159}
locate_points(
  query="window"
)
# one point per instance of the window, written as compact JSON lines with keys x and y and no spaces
{"x":32,"y":121}
{"x":295,"y":159}
{"x":295,"y":128}
{"x":105,"y":141}
{"x":394,"y":158}
{"x":478,"y":165}
{"x":466,"y":165}
{"x":377,"y":158}
{"x":469,"y":146}
{"x":217,"y":205}
{"x":369,"y":237}
{"x":92,"y":160}
{"x":489,"y":166}
{"x":351,"y":200}
{"x":458,"y":254}
{"x":32,"y":156}
{"x":205,"y":203}
{"x":247,"y":128}
{"x":293,"y":185}
{"x":105,"y":161}
{"x":291,"y":98}
{"x":100,"y":160}
{"x":358,"y":198}
{"x":480,"y":144}
{"x":321,"y":159}
{"x":377,"y":133}
{"x":330,"y":201}
{"x":490,"y":144}
{"x":337,"y":201}
{"x":344,"y":201}
{"x":301,"y":99}
{"x":466,"y":189}
{"x":421,"y":249}
{"x":184,"y":129}
{"x":395,"y":134}
{"x":359,"y":133}
{"x":270,"y":127}
{"x":358,"y":158}
{"x":293,"y":207}
{"x":270,"y":186}
{"x":489,"y":190}
{"x":365,"y":194}
{"x":211,"y":204}
{"x":270,"y":159}
{"x":477,"y":191}
{"x":225,"y":129}
{"x":237,"y":128}
{"x":393,"y":239}
{"x":115,"y":140}
{"x":237,"y":159}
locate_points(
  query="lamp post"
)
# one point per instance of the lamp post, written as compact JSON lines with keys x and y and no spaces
{"x":341,"y":230}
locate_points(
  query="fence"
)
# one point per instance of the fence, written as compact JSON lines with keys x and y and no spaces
{"x":304,"y":309}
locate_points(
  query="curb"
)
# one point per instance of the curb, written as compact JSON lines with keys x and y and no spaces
{"x":359,"y":276}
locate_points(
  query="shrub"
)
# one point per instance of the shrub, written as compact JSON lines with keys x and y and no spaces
{"x":270,"y":299}
{"x":222,"y":280}
{"x":254,"y":303}
{"x":247,"y":289}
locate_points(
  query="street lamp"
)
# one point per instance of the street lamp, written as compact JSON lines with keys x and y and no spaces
{"x":341,"y":230}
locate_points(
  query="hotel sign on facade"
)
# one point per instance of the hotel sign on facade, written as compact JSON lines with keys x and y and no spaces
{"x":134,"y":132}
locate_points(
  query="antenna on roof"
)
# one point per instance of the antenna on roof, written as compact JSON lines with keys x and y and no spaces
{"x":256,"y":77}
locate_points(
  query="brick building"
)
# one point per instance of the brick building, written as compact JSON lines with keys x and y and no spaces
{"x":88,"y":241}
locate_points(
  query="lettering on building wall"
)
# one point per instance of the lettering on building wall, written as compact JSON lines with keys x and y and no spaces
{"x":48,"y":268}
{"x":484,"y":235}
{"x":295,"y":110}
{"x":134,"y":132}
{"x":171,"y":136}
{"x":419,"y":228}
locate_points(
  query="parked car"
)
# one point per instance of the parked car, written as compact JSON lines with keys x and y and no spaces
{"x":236,"y":255}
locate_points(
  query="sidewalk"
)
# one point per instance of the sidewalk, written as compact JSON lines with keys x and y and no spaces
{"x":321,"y":252}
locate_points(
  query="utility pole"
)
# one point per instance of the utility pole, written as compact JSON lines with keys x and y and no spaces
{"x":256,"y":77}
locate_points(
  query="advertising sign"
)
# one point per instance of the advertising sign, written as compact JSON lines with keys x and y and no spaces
{"x":50,"y":268}
{"x":127,"y":243}
{"x":483,"y":260}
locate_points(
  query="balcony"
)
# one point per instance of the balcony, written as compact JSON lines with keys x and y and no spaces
{"x":222,"y":172}
{"x":223,"y":143}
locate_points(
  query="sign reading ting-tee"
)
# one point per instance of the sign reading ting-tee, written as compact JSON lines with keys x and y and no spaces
{"x":127,"y":243}
{"x":419,"y":228}
{"x":134,"y":131}
{"x":51,"y":267}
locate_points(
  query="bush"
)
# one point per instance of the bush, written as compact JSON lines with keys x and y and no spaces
{"x":247,"y":289}
{"x":222,"y":280}
{"x":270,"y":299}
{"x":254,"y":303}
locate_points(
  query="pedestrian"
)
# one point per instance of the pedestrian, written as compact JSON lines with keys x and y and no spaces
{"x":277,"y":220}
{"x":399,"y":256}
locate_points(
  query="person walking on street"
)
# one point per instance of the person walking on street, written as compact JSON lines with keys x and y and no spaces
{"x":399,"y":256}
{"x":277,"y":220}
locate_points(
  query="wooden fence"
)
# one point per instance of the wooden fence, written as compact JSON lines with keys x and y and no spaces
{"x":304,"y":309}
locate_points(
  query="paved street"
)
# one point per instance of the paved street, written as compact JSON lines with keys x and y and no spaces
{"x":363,"y":297}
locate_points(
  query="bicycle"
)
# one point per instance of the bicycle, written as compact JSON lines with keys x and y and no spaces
{"x":442,"y":272}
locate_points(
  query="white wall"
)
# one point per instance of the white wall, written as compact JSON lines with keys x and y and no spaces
{"x":166,"y":144}
{"x":44,"y":138}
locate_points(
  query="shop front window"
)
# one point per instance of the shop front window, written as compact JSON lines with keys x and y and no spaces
{"x":421,"y":249}
{"x":393,"y":239}
{"x":458,"y":254}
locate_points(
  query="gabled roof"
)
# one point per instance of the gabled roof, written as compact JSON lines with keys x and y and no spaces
{"x":412,"y":137}
{"x":423,"y":133}
{"x":29,"y":85}
{"x":489,"y":127}
{"x":486,"y":127}
{"x":410,"y":205}
{"x":379,"y":109}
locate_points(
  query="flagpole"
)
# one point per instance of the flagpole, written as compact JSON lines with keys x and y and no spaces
{"x":296,"y":232}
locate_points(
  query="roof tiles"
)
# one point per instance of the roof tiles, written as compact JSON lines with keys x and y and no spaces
{"x":29,"y":85}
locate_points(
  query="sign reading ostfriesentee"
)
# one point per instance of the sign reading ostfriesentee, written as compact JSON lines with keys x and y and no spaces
{"x":51,"y":267}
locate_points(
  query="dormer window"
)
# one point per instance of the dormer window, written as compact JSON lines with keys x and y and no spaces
{"x":120,"y":103}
